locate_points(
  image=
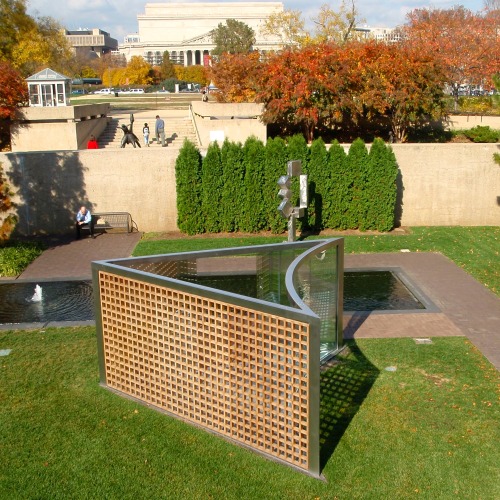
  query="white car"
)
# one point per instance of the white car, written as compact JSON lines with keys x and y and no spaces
{"x":132,"y":91}
{"x":104,"y":91}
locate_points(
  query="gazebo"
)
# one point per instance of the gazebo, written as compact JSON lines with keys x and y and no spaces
{"x":48,"y":88}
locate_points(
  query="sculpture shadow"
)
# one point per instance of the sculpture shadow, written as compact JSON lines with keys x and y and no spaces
{"x":345,"y":383}
{"x":49,"y":188}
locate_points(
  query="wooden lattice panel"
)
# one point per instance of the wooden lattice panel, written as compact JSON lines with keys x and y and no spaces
{"x":236,"y":371}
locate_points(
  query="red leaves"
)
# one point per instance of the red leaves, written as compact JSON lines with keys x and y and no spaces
{"x":13,"y":90}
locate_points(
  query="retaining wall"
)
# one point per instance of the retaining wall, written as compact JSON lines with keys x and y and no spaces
{"x":440,"y":184}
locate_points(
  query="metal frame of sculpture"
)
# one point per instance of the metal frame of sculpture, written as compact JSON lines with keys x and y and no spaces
{"x":245,"y":366}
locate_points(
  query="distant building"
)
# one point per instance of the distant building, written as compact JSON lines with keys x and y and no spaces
{"x":381,"y":34}
{"x":96,"y":41}
{"x":184,"y":29}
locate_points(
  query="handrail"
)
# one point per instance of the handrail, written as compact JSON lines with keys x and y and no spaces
{"x":191,"y":115}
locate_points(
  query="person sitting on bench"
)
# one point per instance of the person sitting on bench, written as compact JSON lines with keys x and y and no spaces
{"x":84,"y":219}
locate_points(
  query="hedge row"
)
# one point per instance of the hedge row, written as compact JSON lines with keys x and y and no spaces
{"x":234,"y":187}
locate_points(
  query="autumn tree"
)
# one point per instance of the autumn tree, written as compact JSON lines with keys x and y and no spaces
{"x":31,"y":43}
{"x":9,"y":220}
{"x":236,"y":76}
{"x":465,"y":44}
{"x":234,"y":37}
{"x":13,"y":93}
{"x":138,"y":71}
{"x":287,"y":26}
{"x":401,"y":83}
{"x":338,"y":25}
{"x":193,"y":74}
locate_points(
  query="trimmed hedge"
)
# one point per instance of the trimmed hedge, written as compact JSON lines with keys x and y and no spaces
{"x":234,"y":188}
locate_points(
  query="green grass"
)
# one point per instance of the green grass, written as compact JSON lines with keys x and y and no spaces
{"x":475,"y":249}
{"x":429,"y":429}
{"x":16,"y":256}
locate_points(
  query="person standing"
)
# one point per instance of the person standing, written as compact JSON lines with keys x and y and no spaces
{"x":83,"y":217}
{"x":92,"y":144}
{"x":145,"y":133}
{"x":160,"y":130}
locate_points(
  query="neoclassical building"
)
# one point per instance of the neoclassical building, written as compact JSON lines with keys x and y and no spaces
{"x":184,"y":29}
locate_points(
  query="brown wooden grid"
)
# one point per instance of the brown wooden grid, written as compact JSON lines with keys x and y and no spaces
{"x":236,"y":371}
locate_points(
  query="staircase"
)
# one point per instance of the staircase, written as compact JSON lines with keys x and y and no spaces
{"x":176,"y":130}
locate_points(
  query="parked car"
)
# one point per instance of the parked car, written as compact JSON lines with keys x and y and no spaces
{"x":78,"y":92}
{"x":104,"y":91}
{"x":131,"y":91}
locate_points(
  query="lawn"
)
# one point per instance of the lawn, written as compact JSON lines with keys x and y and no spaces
{"x":428,"y":428}
{"x":475,"y":249}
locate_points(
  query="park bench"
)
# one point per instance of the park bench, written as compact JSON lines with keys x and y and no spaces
{"x":120,"y":221}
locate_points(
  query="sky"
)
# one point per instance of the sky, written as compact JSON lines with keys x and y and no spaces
{"x":119,"y":17}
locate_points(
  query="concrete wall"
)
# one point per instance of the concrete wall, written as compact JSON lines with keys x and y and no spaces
{"x":58,"y":128}
{"x":464,"y":122}
{"x":441,"y":184}
{"x":236,"y":122}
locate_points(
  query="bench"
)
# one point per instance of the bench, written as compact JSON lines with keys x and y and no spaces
{"x":113,"y":220}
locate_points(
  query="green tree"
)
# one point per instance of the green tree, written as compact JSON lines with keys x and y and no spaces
{"x":318,"y":183}
{"x":357,"y":160}
{"x":188,"y":185}
{"x":338,"y":195}
{"x":276,"y":160}
{"x":234,"y":37}
{"x":167,"y":69}
{"x":212,"y":183}
{"x":254,"y":152}
{"x":233,"y":190}
{"x":381,"y":192}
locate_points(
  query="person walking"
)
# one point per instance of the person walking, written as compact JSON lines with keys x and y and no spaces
{"x":160,"y":130}
{"x":145,"y":133}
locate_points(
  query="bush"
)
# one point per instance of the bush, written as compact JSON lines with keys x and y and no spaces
{"x":482,"y":134}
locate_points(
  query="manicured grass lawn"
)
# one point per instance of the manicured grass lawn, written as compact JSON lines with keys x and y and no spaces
{"x":428,"y":429}
{"x":475,"y":249}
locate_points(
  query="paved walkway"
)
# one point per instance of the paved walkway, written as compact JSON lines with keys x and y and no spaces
{"x":68,"y":258}
{"x":459,"y":305}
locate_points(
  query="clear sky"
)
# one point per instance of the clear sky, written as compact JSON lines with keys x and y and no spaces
{"x":119,"y":17}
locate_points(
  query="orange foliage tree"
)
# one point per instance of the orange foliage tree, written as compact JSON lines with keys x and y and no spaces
{"x":13,"y":90}
{"x":467,"y":45}
{"x":8,"y":222}
{"x":236,"y":76}
{"x":325,"y":85}
{"x":402,"y":84}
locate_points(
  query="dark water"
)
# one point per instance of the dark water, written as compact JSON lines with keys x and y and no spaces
{"x":61,"y":301}
{"x":377,"y":291}
{"x":73,"y":301}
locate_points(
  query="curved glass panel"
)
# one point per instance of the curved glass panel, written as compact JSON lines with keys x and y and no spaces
{"x":315,"y":282}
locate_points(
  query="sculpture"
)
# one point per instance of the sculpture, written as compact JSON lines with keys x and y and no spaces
{"x":128,"y":135}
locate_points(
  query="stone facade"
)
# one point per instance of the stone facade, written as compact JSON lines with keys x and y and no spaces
{"x":184,"y":29}
{"x":440,"y":184}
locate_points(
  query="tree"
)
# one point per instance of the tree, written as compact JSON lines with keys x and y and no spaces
{"x":188,"y":188}
{"x":167,"y":69}
{"x":28,"y":43}
{"x":8,"y":222}
{"x":212,"y":178}
{"x":234,"y":37}
{"x":287,"y":26}
{"x":13,"y":90}
{"x":465,"y":44}
{"x":338,"y":26}
{"x":138,"y":71}
{"x":403,"y":84}
{"x":236,"y":76}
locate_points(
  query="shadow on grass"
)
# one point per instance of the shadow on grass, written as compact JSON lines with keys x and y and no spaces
{"x":345,"y":383}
